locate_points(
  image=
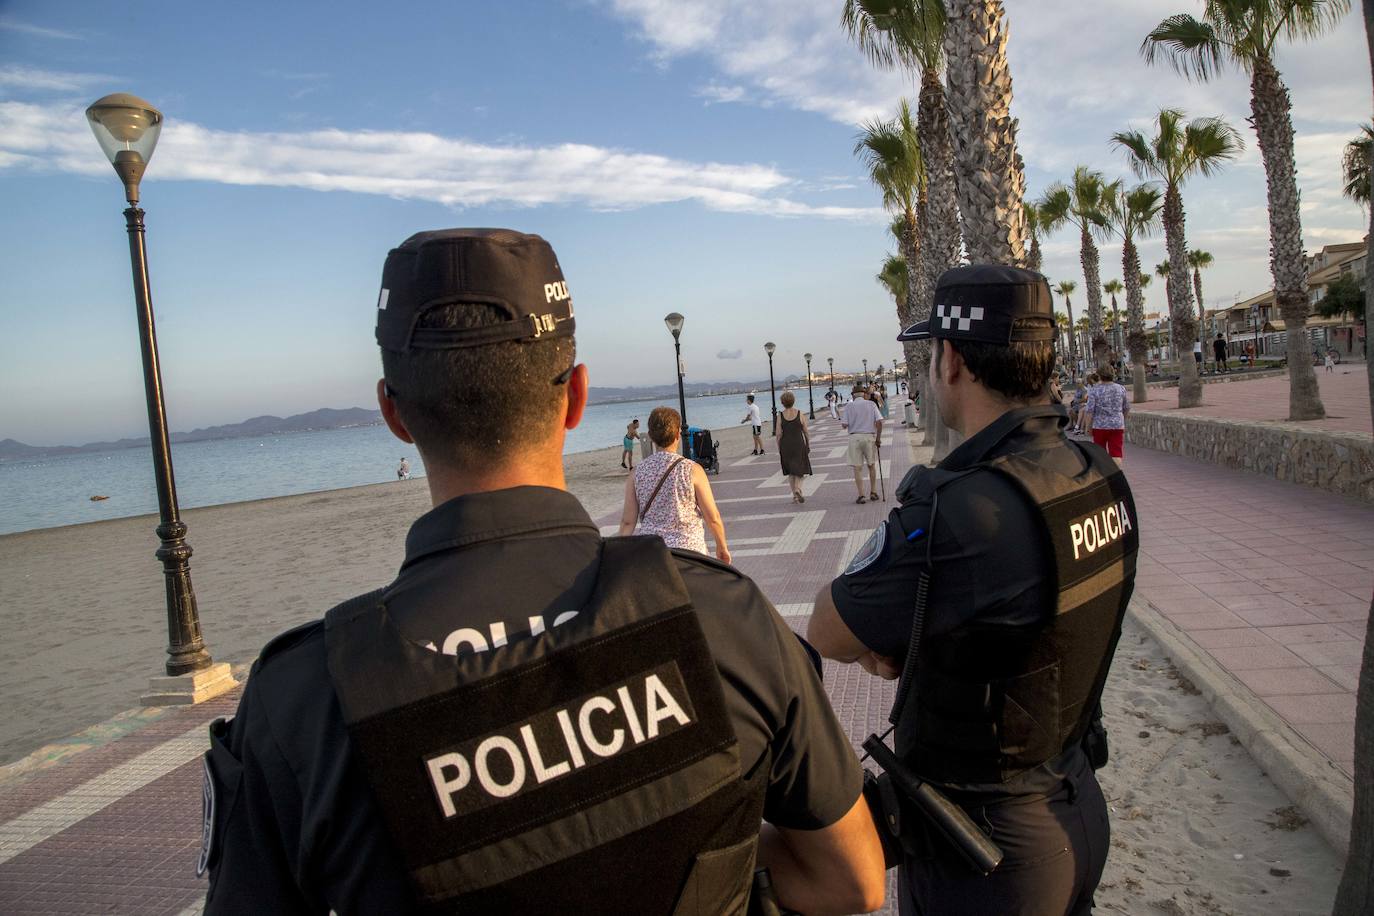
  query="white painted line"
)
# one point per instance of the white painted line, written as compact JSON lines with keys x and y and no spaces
{"x":796,"y":610}
{"x":801,"y":528}
{"x":52,"y":817}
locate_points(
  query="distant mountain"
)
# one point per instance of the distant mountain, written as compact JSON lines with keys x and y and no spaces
{"x":656,"y":392}
{"x":325,"y":418}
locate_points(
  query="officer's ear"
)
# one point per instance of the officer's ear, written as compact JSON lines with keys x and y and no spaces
{"x":577,"y":396}
{"x":387,"y":402}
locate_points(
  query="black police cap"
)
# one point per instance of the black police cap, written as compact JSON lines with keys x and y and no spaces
{"x":982,"y":301}
{"x":513,"y":271}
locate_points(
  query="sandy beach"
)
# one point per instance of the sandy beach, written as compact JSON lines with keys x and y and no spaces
{"x":1197,"y":826}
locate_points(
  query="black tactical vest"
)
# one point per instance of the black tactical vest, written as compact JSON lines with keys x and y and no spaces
{"x":592,"y":768}
{"x":992,"y":700}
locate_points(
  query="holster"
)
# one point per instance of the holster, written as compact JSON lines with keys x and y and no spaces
{"x":885,"y":804}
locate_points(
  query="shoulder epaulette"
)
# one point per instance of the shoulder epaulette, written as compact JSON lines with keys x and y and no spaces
{"x":288,"y":640}
{"x":701,"y":559}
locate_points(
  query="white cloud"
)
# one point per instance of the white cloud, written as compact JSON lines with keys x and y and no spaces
{"x":33,"y":79}
{"x":730,"y":354}
{"x":719,"y":93}
{"x":418,"y":166}
{"x":38,"y":31}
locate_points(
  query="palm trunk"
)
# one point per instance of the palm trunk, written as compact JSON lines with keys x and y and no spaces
{"x":1201,"y":312}
{"x":1092,"y":275}
{"x":1116,"y":329}
{"x":939,"y":221}
{"x":1182,"y":325}
{"x":1271,"y":114}
{"x":990,"y":174}
{"x":1136,"y":341}
{"x":1033,"y":262}
{"x":1356,"y":893}
{"x":1073,"y":334}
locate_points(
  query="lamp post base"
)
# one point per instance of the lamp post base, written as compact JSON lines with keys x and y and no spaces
{"x":189,"y":689}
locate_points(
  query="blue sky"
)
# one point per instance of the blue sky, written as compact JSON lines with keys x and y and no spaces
{"x":687,"y":156}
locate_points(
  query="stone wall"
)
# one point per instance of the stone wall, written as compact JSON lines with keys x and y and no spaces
{"x":1337,"y":462}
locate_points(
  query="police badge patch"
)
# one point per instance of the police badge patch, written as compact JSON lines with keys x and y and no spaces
{"x":207,"y":818}
{"x":869,"y":552}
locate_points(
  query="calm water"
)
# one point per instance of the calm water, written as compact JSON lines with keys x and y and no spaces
{"x":57,"y":491}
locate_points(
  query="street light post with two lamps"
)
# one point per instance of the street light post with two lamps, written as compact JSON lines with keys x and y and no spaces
{"x":810,"y":395}
{"x":127,"y":129}
{"x":674,"y":322}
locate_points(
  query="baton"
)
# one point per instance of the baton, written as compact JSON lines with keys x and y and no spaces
{"x":951,"y":820}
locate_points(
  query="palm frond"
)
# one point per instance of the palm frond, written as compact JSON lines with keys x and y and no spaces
{"x":1142,"y":205}
{"x":1209,"y":143}
{"x":1055,"y":207}
{"x":1139,"y":152}
{"x":909,"y":33}
{"x":1304,"y":20}
{"x":1356,"y":165}
{"x":1190,"y":45}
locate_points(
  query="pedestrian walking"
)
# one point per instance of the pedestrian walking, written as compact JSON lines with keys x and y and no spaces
{"x":1330,"y":362}
{"x":755,"y":420}
{"x":669,"y":495}
{"x":794,"y":446}
{"x":1105,"y":414}
{"x":865,"y":427}
{"x":1219,"y":351}
{"x":403,"y":470}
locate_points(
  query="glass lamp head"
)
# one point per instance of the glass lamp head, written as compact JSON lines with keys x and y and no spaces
{"x":127,"y":129}
{"x":674,"y":322}
{"x":769,"y":347}
{"x":807,"y":357}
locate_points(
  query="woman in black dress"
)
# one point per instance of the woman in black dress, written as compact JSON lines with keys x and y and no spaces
{"x":794,"y":446}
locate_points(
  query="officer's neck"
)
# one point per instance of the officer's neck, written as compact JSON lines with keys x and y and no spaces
{"x":979,"y":408}
{"x":447,"y":482}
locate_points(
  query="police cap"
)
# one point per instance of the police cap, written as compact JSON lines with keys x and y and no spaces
{"x":515,"y":272}
{"x":982,"y":301}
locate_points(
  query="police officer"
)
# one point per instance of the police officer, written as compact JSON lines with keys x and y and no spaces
{"x":529,"y":718}
{"x":995,"y":591}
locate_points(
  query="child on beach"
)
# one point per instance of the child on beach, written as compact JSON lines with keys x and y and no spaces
{"x":631,"y":437}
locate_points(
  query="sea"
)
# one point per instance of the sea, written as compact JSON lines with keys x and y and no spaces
{"x":57,"y":491}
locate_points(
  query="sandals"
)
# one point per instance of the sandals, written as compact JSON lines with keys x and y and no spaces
{"x":872,"y":497}
{"x":860,"y":501}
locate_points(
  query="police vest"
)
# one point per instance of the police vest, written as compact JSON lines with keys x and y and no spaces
{"x":592,"y":768}
{"x":991,"y":700}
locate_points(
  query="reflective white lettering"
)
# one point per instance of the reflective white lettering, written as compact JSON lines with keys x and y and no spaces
{"x":498,"y":634}
{"x":541,"y":773}
{"x":659,"y":705}
{"x":483,"y":755}
{"x":1076,"y":535}
{"x":443,"y":785}
{"x":555,"y":292}
{"x":1125,"y":518}
{"x":1090,"y":534}
{"x":564,"y":618}
{"x":537,"y":625}
{"x":631,"y":717}
{"x":584,"y":727}
{"x":1113,"y":526}
{"x":570,"y":736}
{"x":464,"y":636}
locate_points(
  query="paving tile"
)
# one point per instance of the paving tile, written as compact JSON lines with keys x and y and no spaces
{"x":1346,"y":676}
{"x":1356,"y":628}
{"x":1275,"y":616}
{"x":1226,"y":639}
{"x":1316,"y":708}
{"x":1319,"y":654}
{"x":1244,"y":658}
{"x":1210,"y":620}
{"x":1297,"y":635}
{"x":1337,"y":741}
{"x":1335,"y":613}
{"x":1271,"y":682}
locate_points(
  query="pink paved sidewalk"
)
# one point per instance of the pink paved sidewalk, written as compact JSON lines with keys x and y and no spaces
{"x":1345,"y":395}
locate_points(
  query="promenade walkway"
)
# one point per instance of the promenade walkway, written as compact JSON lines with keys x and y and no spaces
{"x":1345,"y":395}
{"x":1271,"y":580}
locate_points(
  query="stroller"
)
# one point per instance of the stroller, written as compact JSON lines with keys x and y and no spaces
{"x":701,"y":448}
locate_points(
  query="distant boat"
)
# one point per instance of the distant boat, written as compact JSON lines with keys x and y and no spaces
{"x":96,"y":499}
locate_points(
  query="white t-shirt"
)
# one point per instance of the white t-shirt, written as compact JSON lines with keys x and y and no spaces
{"x":861,"y":416}
{"x":755,"y":418}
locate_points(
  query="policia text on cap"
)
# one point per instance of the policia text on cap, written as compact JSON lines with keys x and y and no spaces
{"x":529,"y":718}
{"x":995,"y":592}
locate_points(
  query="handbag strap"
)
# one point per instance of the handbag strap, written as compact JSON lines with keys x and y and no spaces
{"x":661,"y":480}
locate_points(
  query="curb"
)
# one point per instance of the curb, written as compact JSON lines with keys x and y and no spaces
{"x":1323,"y":793}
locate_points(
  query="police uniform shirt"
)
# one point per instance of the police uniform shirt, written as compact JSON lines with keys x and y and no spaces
{"x":295,"y":825}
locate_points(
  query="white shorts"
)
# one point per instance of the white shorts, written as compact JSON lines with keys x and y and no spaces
{"x":862,"y":449}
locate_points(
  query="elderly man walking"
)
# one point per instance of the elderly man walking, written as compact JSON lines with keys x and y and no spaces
{"x":865,"y":425}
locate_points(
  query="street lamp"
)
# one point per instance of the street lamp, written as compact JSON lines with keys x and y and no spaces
{"x":674,"y":322}
{"x":127,"y":129}
{"x":865,"y":372}
{"x":831,"y":361}
{"x":772,"y":393}
{"x":810,"y":395}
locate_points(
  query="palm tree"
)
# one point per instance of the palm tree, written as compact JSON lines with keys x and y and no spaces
{"x":1111,"y":288}
{"x":894,"y":278}
{"x":1132,"y":214}
{"x":1355,"y":165}
{"x":910,"y":34}
{"x":892,"y":155}
{"x":1172,"y":156}
{"x":1065,"y":289}
{"x":1061,"y":321}
{"x":989,"y":171}
{"x":1082,"y":203}
{"x":1245,"y":33}
{"x":1198,"y":260}
{"x":1035,"y":223}
{"x":1082,"y":332}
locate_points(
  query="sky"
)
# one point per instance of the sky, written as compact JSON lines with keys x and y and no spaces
{"x":680,"y":155}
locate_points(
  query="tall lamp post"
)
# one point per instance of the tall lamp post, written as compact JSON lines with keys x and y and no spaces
{"x":865,"y":362}
{"x":674,"y":322}
{"x":831,"y":361}
{"x":810,"y":395}
{"x":772,"y":391}
{"x":127,"y":129}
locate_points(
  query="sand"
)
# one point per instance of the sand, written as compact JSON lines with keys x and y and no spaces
{"x":1197,"y":827}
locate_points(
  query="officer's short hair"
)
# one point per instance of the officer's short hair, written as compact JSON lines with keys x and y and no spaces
{"x":788,"y":399}
{"x":471,"y":406}
{"x":665,"y":425}
{"x":1019,"y":371}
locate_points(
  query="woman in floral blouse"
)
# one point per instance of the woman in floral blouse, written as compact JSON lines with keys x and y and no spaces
{"x":1106,"y":413}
